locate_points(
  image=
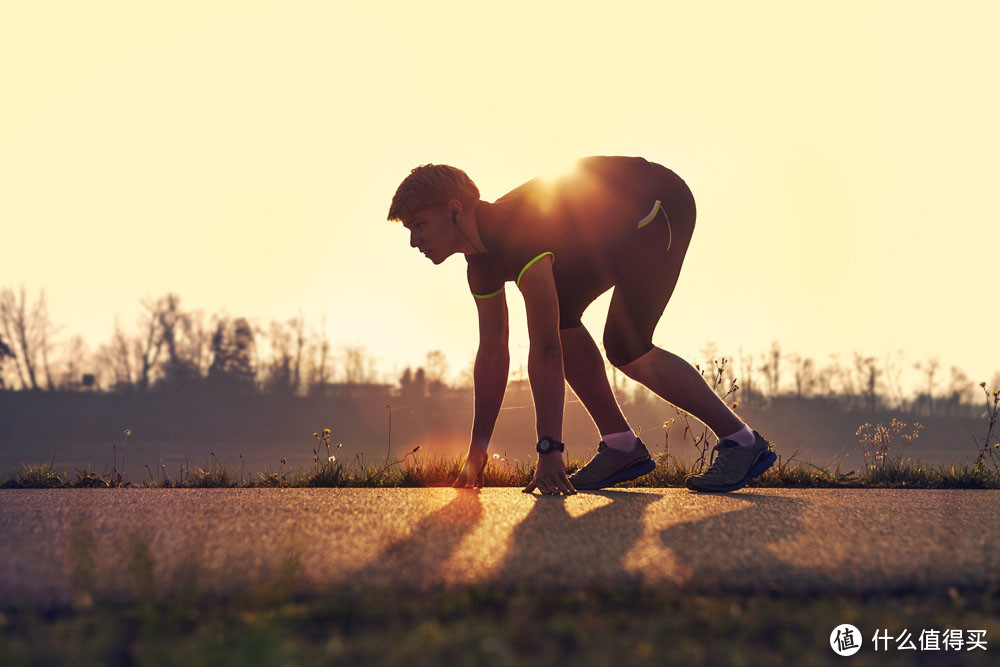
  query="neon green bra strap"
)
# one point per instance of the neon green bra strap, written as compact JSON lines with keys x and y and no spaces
{"x":518,"y":282}
{"x":486,"y":296}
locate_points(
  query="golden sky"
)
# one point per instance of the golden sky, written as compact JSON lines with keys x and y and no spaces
{"x":243,"y":154}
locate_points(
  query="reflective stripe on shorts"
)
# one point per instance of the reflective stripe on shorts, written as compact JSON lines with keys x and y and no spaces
{"x":652,"y":214}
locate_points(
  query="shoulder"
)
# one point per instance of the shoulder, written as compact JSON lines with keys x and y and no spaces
{"x":484,"y":273}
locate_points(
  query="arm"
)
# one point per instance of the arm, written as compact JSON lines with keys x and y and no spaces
{"x":545,"y":363}
{"x":545,"y":371}
{"x":490,"y":382}
{"x":492,"y":367}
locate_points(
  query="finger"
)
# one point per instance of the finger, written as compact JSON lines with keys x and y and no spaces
{"x":530,"y":487}
{"x":568,"y":484}
{"x":563,"y":485}
{"x":546,"y":486}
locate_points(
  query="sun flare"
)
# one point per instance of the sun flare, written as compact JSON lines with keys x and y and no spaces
{"x":551,"y":172}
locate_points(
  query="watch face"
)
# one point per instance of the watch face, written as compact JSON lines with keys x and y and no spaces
{"x":546,"y":445}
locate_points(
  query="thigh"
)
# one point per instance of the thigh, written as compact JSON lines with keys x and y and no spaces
{"x":646,"y":275}
{"x":578,"y":285}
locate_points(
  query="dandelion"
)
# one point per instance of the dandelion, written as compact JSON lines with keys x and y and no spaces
{"x":128,"y":431}
{"x":736,"y":404}
{"x":983,"y":385}
{"x":414,"y":449}
{"x":339,"y":445}
{"x":332,"y":458}
{"x":496,"y":456}
{"x":326,"y":431}
{"x":282,"y":460}
{"x":315,"y":435}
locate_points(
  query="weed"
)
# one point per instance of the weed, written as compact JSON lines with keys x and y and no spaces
{"x":880,"y":464}
{"x":992,"y":413}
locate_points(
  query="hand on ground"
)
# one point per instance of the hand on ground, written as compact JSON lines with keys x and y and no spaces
{"x":550,"y":476}
{"x":473,"y":472}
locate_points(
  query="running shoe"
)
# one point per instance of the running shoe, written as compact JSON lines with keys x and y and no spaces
{"x":611,"y":466}
{"x":734,"y":466}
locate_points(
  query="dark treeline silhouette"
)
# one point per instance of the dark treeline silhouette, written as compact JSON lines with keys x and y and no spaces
{"x":188,"y":385}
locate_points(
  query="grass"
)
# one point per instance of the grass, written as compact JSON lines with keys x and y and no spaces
{"x":175,"y":622}
{"x":481,"y":626}
{"x":894,"y":472}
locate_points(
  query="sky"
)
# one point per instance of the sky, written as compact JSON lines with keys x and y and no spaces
{"x":244,"y":154}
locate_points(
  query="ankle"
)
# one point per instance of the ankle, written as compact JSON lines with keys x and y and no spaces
{"x":624,"y":441}
{"x":744,"y":437}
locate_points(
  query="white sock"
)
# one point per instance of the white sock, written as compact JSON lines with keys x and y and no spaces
{"x":624,"y":441}
{"x":744,"y":437}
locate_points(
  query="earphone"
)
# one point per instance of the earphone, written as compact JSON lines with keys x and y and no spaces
{"x":454,"y":221}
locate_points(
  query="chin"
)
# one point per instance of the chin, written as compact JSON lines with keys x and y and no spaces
{"x":437,"y":259}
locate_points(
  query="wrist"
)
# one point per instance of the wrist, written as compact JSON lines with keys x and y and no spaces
{"x":548,"y":444}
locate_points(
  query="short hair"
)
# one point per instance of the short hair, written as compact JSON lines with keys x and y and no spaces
{"x":432,"y":185}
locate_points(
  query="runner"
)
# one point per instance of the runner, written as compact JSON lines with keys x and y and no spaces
{"x":620,"y":222}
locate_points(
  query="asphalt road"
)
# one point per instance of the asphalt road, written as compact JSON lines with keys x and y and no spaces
{"x":763,"y":540}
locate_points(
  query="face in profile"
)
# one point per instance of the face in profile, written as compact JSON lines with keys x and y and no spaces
{"x":432,"y":233}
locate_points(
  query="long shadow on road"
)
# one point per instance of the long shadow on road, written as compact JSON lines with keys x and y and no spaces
{"x":426,"y":549}
{"x":551,"y":548}
{"x":729,"y":551}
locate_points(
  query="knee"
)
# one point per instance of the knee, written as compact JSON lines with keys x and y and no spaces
{"x":622,"y":356}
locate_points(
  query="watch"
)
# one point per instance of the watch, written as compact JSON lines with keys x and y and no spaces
{"x":547,"y":444}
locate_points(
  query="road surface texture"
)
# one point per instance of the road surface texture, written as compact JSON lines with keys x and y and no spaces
{"x":756,"y":540}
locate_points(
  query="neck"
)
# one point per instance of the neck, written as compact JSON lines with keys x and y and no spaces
{"x":469,"y":227}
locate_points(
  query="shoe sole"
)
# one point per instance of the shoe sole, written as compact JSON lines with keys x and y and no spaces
{"x":625,"y":475}
{"x":756,"y":470}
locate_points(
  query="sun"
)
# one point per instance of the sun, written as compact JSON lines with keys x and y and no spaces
{"x":556,"y":169}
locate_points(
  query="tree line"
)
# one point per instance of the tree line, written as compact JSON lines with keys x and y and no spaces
{"x":173,"y":348}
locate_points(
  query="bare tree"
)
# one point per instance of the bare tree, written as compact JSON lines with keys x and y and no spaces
{"x":772,"y":369}
{"x":298,"y":327}
{"x":318,"y":355}
{"x":116,"y":357}
{"x":748,"y":381}
{"x":148,"y":346}
{"x":869,"y":374}
{"x":71,"y":376}
{"x":5,"y":354}
{"x":709,"y":355}
{"x":961,"y":390}
{"x":359,"y":368}
{"x":844,"y":378}
{"x":186,"y":340}
{"x":805,"y":376}
{"x":826,"y":376}
{"x":278,"y":374}
{"x":233,"y":364}
{"x":893,"y":373}
{"x":29,"y":332}
{"x":436,"y":370}
{"x":929,"y":370}
{"x":412,"y":386}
